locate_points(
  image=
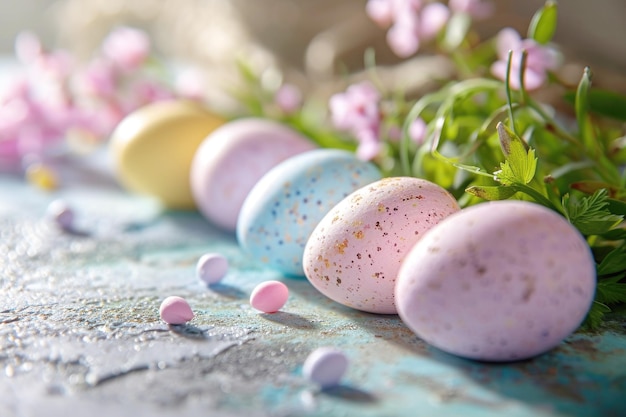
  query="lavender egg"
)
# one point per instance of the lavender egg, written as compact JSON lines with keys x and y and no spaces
{"x":355,"y":252}
{"x":230,"y":161}
{"x":281,"y":211}
{"x":498,"y":281}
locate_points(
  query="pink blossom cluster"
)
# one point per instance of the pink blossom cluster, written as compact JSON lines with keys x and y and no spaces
{"x":540,"y":60}
{"x":358,"y":111}
{"x":56,"y":97}
{"x":413,"y":22}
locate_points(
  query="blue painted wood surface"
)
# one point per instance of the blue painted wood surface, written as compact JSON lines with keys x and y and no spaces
{"x":80,"y":332}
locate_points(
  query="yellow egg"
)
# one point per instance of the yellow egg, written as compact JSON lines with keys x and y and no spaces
{"x":153,"y":148}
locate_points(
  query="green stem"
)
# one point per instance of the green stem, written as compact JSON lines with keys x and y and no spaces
{"x":507,"y":86}
{"x":539,"y":198}
{"x":414,"y":113}
{"x":555,"y":128}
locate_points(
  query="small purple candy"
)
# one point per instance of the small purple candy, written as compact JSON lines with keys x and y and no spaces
{"x":325,"y":366}
{"x":61,"y":213}
{"x":211,"y":268}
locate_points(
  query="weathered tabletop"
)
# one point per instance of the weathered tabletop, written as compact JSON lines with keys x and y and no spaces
{"x":80,"y":332}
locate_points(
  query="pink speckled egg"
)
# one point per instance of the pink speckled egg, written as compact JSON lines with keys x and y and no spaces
{"x":499,"y":281}
{"x":354,"y":253}
{"x":231,"y":160}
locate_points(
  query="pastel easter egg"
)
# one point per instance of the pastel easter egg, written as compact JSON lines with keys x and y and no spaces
{"x":283,"y":208}
{"x":153,"y":148}
{"x":354,"y":254}
{"x":498,"y":281}
{"x":233,"y":158}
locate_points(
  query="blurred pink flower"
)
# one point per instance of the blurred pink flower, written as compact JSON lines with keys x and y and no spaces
{"x":288,"y":98}
{"x":190,"y":83}
{"x":357,"y":110}
{"x":478,"y":9}
{"x":127,"y":47}
{"x":27,"y":47}
{"x":540,"y":59}
{"x":99,"y":78}
{"x":417,"y":131}
{"x":142,"y":92}
{"x":369,"y":147}
{"x":356,"y":107}
{"x":433,"y":18}
{"x":409,"y":22}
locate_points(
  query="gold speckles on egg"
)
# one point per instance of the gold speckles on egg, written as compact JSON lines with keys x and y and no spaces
{"x":370,"y":241}
{"x":341,"y":246}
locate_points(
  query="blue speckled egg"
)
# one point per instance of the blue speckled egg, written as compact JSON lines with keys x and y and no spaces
{"x":282,"y":209}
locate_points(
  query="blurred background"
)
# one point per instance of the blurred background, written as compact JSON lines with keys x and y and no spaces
{"x":312,"y":37}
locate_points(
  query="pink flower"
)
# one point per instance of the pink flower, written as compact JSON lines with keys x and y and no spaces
{"x":478,"y":9}
{"x":409,"y":21}
{"x":144,"y":91}
{"x":539,"y":60}
{"x":403,"y":38}
{"x":417,"y":131}
{"x":433,"y":18}
{"x":288,"y":98}
{"x":99,"y":78}
{"x":28,"y":47}
{"x":368,"y":148}
{"x":126,"y":47}
{"x":190,"y":83}
{"x":357,"y":110}
{"x":380,"y":11}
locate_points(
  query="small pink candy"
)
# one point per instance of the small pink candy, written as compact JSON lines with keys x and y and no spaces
{"x":269,"y":296}
{"x":325,"y":366}
{"x":211,"y":268}
{"x":175,"y":310}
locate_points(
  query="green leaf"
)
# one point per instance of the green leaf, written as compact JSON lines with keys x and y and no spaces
{"x":581,"y":105}
{"x":610,"y":291}
{"x":603,"y":102}
{"x":491,"y":193}
{"x":590,"y":214}
{"x":595,"y":315}
{"x":614,"y":262}
{"x":543,"y":24}
{"x":520,"y":164}
{"x":615,"y":234}
{"x":616,"y":206}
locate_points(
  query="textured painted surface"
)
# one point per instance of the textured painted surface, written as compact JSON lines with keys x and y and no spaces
{"x":80,"y":332}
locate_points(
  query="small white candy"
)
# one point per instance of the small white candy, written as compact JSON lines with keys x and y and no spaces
{"x":325,"y":366}
{"x":211,"y":268}
{"x":61,"y":213}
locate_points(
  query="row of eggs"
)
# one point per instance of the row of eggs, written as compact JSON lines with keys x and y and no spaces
{"x":498,"y":281}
